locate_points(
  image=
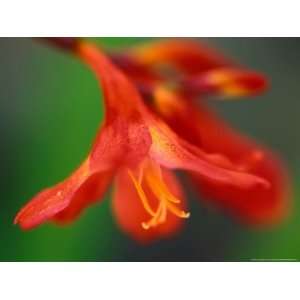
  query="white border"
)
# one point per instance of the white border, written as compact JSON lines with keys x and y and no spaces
{"x":149,"y":18}
{"x":149,"y":281}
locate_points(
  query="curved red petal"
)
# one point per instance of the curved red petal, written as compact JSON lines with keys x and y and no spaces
{"x":130,"y":213}
{"x":232,"y":82}
{"x":126,"y":139}
{"x":120,"y":95}
{"x":171,"y":151}
{"x":257,"y":206}
{"x":204,"y":129}
{"x":71,"y":195}
{"x":90,"y":192}
{"x":187,"y":55}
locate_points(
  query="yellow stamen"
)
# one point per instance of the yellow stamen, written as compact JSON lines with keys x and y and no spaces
{"x":161,"y":188}
{"x":141,"y":194}
{"x":154,"y":220}
{"x":167,"y":201}
{"x":163,"y":215}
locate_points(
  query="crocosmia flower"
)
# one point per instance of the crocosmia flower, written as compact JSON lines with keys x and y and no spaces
{"x":152,"y":128}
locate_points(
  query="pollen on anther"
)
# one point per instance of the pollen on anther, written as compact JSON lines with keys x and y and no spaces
{"x":145,"y":226}
{"x":185,"y":215}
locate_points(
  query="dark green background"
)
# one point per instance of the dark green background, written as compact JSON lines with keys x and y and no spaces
{"x":50,"y":110}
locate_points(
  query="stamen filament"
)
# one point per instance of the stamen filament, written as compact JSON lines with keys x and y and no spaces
{"x":153,"y":221}
{"x":163,"y":215}
{"x":162,"y":188}
{"x":167,"y":201}
{"x":178,"y":212}
{"x":141,"y":173}
{"x":141,"y":194}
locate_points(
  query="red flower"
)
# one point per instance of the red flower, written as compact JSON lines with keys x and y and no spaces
{"x":137,"y":149}
{"x":204,"y":71}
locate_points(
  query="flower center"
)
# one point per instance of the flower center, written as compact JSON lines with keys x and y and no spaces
{"x":150,"y":174}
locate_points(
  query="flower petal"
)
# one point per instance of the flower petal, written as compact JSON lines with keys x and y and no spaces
{"x":140,"y":73}
{"x":126,"y":139}
{"x":169,"y":150}
{"x":69,"y":196}
{"x":226,"y":82}
{"x":205,"y":130}
{"x":120,"y":95}
{"x":130,"y":213}
{"x":187,"y":55}
{"x":91,"y":191}
{"x":257,"y":206}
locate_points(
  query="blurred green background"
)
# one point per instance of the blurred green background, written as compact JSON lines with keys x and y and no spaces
{"x":50,"y":109}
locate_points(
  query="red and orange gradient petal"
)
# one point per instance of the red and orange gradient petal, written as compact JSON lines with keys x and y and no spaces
{"x":257,"y":206}
{"x":204,"y":129}
{"x":201,"y":69}
{"x":125,"y":139}
{"x":149,"y":207}
{"x":185,"y":55}
{"x":171,"y":151}
{"x":64,"y":201}
{"x":227,"y":83}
